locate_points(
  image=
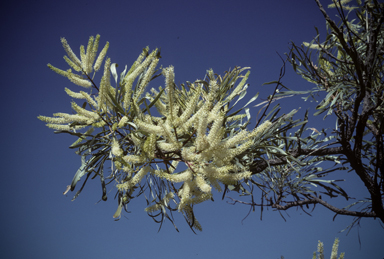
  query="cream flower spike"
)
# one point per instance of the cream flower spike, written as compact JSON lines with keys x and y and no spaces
{"x":191,"y":129}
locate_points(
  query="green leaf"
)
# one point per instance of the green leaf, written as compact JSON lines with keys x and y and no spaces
{"x":115,"y":103}
{"x":118,"y":211}
{"x":79,"y":173}
{"x":252,"y":99}
{"x":243,"y":93}
{"x":154,"y":100}
{"x":113,"y":71}
{"x":122,"y":75}
{"x":276,"y":149}
{"x":248,"y":114}
{"x":271,"y":83}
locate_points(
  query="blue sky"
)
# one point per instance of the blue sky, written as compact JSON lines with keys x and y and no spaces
{"x":37,"y":221}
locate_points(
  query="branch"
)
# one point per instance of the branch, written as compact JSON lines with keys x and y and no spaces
{"x":313,"y":200}
{"x":316,"y":200}
{"x":272,"y":99}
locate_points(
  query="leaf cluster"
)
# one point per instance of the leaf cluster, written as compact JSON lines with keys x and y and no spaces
{"x":346,"y":68}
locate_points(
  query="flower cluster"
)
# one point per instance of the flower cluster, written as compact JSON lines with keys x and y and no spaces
{"x":84,"y":65}
{"x":192,"y":129}
{"x":194,"y":134}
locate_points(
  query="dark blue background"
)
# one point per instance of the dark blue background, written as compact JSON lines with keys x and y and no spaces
{"x":37,"y":221}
